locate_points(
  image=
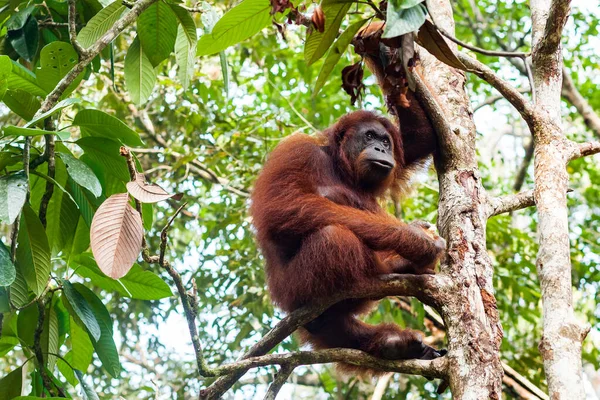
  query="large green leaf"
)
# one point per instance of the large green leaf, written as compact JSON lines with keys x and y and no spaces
{"x":22,"y":103}
{"x":237,"y":25}
{"x":82,"y":347}
{"x":104,"y":153}
{"x":19,"y":294}
{"x":137,"y":284}
{"x":58,"y":107}
{"x":100,"y":124}
{"x":317,"y":43}
{"x":88,"y":391}
{"x":13,"y":192}
{"x":157,"y":31}
{"x":7,"y":268}
{"x":185,"y":45}
{"x":49,"y":338}
{"x":10,"y":384}
{"x":82,"y":310}
{"x":86,"y":203}
{"x":33,"y":251}
{"x":5,"y":69}
{"x":140,"y":75}
{"x":27,"y":323}
{"x":11,"y":130}
{"x":56,"y":60}
{"x":21,"y":78}
{"x":100,"y":23}
{"x":105,"y":347}
{"x":82,"y":174}
{"x":403,"y":20}
{"x":335,"y":53}
{"x":22,"y":33}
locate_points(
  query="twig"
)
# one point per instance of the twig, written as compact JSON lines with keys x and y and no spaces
{"x":382,"y":384}
{"x":524,"y":382}
{"x":124,"y":151}
{"x":518,"y":54}
{"x":280,"y":378}
{"x":493,"y":99}
{"x":73,"y":29}
{"x":164,"y":237}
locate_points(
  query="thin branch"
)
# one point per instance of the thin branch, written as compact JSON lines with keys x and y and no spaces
{"x":50,"y":147}
{"x":584,"y":149}
{"x":52,"y":98}
{"x":524,"y":382}
{"x":73,"y":29}
{"x":570,"y":92}
{"x":280,"y":378}
{"x":493,"y":99}
{"x":124,"y":151}
{"x":523,"y":106}
{"x":382,"y":384}
{"x":513,"y":202}
{"x":493,"y":53}
{"x":522,"y":173}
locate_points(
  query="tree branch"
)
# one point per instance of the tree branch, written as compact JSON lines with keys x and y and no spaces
{"x":280,"y":378}
{"x":493,"y":99}
{"x":555,"y":22}
{"x":584,"y":149}
{"x":425,"y":287}
{"x":513,"y":202}
{"x":430,"y":368}
{"x":73,"y":29}
{"x":573,"y":96}
{"x":523,"y":106}
{"x":522,"y":173}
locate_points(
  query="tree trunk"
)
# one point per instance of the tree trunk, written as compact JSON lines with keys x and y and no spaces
{"x":469,"y":309}
{"x":562,"y":336}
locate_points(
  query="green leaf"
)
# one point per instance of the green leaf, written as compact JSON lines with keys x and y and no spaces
{"x":19,"y":19}
{"x":58,"y":107}
{"x":100,"y":124}
{"x":137,"y":284}
{"x":404,"y":4}
{"x":7,"y":268}
{"x":185,"y":45}
{"x":66,"y":370}
{"x":88,"y":391}
{"x":104,"y":153}
{"x":5,"y":69}
{"x":19,"y":294}
{"x":100,"y":23}
{"x":81,"y":345}
{"x":26,"y":324}
{"x":237,"y":25}
{"x":24,"y":40}
{"x":12,"y":130}
{"x":335,"y":53}
{"x":317,"y":43}
{"x":33,"y":251}
{"x":21,"y":78}
{"x":21,"y":103}
{"x":140,"y":75}
{"x":13,"y":192}
{"x":10,"y":385}
{"x":105,"y":347}
{"x":157,"y":31}
{"x":85,"y":202}
{"x":56,"y":60}
{"x":403,"y":21}
{"x":82,"y":310}
{"x":82,"y":174}
{"x":223,"y":59}
{"x":50,"y":337}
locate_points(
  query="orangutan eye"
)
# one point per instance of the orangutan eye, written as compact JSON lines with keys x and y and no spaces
{"x":386,"y":143}
{"x":369,"y":135}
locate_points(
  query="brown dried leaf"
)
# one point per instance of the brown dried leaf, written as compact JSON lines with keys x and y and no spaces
{"x":318,"y":19}
{"x":434,"y":42}
{"x":116,"y":236}
{"x":145,"y":193}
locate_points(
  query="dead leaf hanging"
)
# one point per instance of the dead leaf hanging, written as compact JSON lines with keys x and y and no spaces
{"x":116,"y":235}
{"x":146,"y":193}
{"x":434,"y":42}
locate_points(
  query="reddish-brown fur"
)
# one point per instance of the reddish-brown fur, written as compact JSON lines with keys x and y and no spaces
{"x":320,"y":233}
